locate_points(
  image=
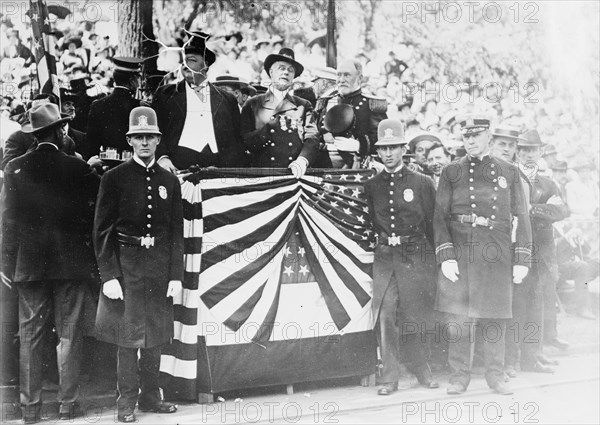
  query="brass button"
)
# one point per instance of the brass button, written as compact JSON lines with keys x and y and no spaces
{"x":473,"y":205}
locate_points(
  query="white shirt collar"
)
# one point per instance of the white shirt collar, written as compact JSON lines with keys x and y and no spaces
{"x":139,"y":161}
{"x":48,"y":143}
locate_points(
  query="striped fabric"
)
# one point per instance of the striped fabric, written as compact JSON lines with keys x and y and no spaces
{"x":250,"y":239}
{"x":43,"y":47}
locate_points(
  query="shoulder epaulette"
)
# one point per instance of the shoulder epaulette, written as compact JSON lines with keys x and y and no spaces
{"x":377,"y":104}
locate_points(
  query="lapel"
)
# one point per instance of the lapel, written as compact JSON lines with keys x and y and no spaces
{"x":179,"y":99}
{"x":287,"y":104}
{"x":216,"y":98}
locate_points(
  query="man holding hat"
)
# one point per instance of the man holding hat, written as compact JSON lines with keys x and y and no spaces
{"x":277,"y":127}
{"x":418,"y":144}
{"x":234,"y":85}
{"x":108,"y":118}
{"x":401,"y":204}
{"x":369,"y":111}
{"x":47,"y":212}
{"x":138,"y":237}
{"x":200,"y":122}
{"x":547,"y":207}
{"x":482,"y":252}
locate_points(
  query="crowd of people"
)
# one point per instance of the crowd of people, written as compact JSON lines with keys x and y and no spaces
{"x":92,"y":213}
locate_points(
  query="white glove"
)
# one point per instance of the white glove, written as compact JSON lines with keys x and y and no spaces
{"x":174,"y":289}
{"x":555,"y":200}
{"x":167,"y":164}
{"x":346,"y":144}
{"x":519,"y":273}
{"x":450,"y":270}
{"x":112,"y":289}
{"x":299,"y":167}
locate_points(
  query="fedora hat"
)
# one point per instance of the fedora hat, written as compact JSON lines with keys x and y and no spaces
{"x":531,"y":138}
{"x":42,"y":116}
{"x":142,"y":120}
{"x":285,"y":55}
{"x":197,"y":45}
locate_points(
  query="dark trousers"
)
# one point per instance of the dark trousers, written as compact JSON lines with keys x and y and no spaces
{"x":462,"y":334}
{"x":134,"y":375}
{"x":524,"y":330}
{"x":550,"y":299}
{"x":38,"y":303}
{"x":393,"y":341}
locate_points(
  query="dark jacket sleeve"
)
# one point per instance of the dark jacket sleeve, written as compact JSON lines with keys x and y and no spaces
{"x":550,"y":213}
{"x":177,"y":246}
{"x":236,"y":155}
{"x":254,"y":140}
{"x":15,"y":146}
{"x":521,"y":232}
{"x":428,"y":202}
{"x":311,"y":135}
{"x":105,"y":218}
{"x":92,"y":141}
{"x":10,"y":246}
{"x":162,"y":114}
{"x":444,"y":246}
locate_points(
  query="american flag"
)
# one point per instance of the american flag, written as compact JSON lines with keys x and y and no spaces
{"x":43,"y":47}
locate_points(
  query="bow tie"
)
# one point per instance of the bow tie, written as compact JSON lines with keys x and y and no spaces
{"x":200,"y":91}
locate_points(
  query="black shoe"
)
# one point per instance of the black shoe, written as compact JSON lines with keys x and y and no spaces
{"x":127,"y":418}
{"x":536,"y":367}
{"x":502,"y":388}
{"x":558,"y":343}
{"x":388,"y":388}
{"x":159,"y":407}
{"x":543,"y":359}
{"x":456,"y":388}
{"x":510,"y":371}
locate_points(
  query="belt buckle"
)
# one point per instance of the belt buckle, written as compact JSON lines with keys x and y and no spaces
{"x":394,"y":240}
{"x":147,"y":241}
{"x":481,"y":221}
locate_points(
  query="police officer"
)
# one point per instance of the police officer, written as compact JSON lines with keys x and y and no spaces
{"x":478,"y":196}
{"x":138,"y":237}
{"x":369,"y":111}
{"x":401,"y":204}
{"x":277,"y":127}
{"x":107,"y":119}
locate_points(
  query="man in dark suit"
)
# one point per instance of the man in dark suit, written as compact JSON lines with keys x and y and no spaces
{"x":47,"y":210}
{"x":401,"y":204}
{"x":481,"y":252}
{"x":278,"y":127}
{"x":200,"y":122}
{"x":108,"y":118}
{"x":138,"y":237}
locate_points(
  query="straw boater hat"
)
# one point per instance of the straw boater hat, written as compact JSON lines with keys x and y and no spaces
{"x":507,"y":131}
{"x":235,"y":82}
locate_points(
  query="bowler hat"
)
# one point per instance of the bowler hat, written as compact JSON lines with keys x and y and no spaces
{"x":197,"y":45}
{"x":142,"y":120}
{"x":390,"y":132}
{"x":42,"y":116}
{"x":285,"y":55}
{"x":531,"y":138}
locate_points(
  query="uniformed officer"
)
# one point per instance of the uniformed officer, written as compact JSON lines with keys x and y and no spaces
{"x":108,"y":117}
{"x":369,"y":111}
{"x":401,"y":204}
{"x":138,"y":237}
{"x":477,"y":199}
{"x":277,"y":127}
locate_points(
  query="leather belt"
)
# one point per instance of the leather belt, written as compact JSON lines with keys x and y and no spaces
{"x":476,"y":220}
{"x":146,"y":241}
{"x":384,"y":239}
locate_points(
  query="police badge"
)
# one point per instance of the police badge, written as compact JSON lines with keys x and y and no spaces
{"x":409,"y":195}
{"x":502,"y":182}
{"x":162,"y":192}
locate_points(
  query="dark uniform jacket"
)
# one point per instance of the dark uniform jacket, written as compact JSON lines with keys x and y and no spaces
{"x":108,"y":122}
{"x":47,"y":212}
{"x":368,"y":111}
{"x":490,"y":188}
{"x":170,"y":104}
{"x":402,"y":204}
{"x":276,"y":134}
{"x":138,"y":201}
